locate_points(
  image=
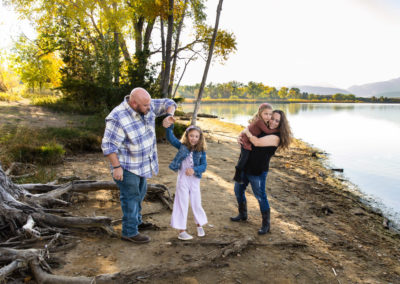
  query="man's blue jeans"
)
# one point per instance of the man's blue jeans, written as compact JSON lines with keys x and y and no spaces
{"x":132,"y":190}
{"x":258,"y":187}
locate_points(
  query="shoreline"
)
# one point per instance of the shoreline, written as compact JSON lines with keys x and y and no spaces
{"x":372,"y":202}
{"x":346,"y":184}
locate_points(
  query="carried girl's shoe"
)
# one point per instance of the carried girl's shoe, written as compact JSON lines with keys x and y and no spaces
{"x":184,"y":236}
{"x":200,"y":232}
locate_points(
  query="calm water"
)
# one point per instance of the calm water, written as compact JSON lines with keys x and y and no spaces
{"x":363,"y":139}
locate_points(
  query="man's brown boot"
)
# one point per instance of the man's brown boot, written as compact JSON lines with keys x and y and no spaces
{"x":139,"y":239}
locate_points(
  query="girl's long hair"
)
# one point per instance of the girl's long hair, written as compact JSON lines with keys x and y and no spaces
{"x":284,"y":130}
{"x":200,"y":146}
{"x":261,"y":108}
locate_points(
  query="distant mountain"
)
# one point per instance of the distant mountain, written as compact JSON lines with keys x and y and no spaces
{"x":321,"y":90}
{"x":390,"y":89}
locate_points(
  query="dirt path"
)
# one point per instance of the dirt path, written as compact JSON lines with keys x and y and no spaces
{"x":320,"y":233}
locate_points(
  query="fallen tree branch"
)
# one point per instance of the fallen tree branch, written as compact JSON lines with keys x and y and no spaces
{"x":76,"y":222}
{"x":28,"y":227}
{"x":9,"y":254}
{"x":44,"y":277}
{"x":10,"y":268}
{"x":51,"y":193}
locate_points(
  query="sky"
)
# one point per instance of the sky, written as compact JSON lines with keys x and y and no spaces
{"x":335,"y":43}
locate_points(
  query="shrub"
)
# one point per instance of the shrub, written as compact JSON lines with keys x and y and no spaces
{"x":75,"y":140}
{"x":51,"y":153}
{"x":9,"y":97}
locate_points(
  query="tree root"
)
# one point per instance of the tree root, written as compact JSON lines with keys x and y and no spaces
{"x":25,"y":213}
{"x":10,"y":268}
{"x":50,"y":193}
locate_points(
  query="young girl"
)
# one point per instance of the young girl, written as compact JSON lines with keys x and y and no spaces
{"x":190,"y":162}
{"x":258,"y":124}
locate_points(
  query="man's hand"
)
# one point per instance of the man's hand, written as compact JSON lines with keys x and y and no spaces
{"x":168,"y":121}
{"x":118,"y":174}
{"x":189,"y":172}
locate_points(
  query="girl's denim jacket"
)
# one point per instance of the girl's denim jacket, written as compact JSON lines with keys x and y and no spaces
{"x":199,"y":158}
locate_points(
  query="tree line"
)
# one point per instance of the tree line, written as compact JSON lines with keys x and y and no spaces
{"x":237,"y":91}
{"x":96,"y":51}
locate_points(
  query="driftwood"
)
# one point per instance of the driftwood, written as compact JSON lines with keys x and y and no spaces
{"x":28,"y":216}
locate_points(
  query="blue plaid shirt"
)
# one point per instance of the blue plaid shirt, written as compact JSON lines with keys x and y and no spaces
{"x":132,"y":136}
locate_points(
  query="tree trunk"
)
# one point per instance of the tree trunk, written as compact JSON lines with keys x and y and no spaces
{"x":168,"y":48}
{"x":162,"y":53}
{"x":125,"y":52}
{"x":178,"y":34}
{"x":3,"y":87}
{"x":116,"y":64}
{"x":210,"y":52}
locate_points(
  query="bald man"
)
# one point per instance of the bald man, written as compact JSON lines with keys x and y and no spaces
{"x":129,"y":143}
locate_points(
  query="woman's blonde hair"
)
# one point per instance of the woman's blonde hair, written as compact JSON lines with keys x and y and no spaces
{"x":284,"y":130}
{"x":200,"y":146}
{"x":261,"y":108}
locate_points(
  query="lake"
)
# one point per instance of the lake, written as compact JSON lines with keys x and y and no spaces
{"x":362,"y":139}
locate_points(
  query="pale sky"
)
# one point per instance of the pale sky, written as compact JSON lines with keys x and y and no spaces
{"x":309,"y":42}
{"x":322,"y":42}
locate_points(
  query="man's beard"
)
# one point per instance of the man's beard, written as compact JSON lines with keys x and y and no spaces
{"x":143,"y":113}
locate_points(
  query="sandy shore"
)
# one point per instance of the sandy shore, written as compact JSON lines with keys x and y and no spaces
{"x":320,"y":232}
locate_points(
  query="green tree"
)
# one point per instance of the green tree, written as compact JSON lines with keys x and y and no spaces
{"x":92,"y":38}
{"x":283,"y":92}
{"x":35,"y":68}
{"x":294,"y":93}
{"x":255,"y":89}
{"x":8,"y":79}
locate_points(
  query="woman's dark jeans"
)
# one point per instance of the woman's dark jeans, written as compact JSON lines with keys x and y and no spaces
{"x":258,"y":187}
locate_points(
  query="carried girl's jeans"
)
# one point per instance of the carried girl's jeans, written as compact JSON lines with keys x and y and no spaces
{"x":258,"y":187}
{"x":132,"y":191}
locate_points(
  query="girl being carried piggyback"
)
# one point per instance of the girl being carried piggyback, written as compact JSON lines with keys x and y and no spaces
{"x":190,"y":162}
{"x":258,"y":124}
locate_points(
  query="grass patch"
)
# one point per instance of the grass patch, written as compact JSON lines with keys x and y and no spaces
{"x":45,"y":100}
{"x":59,"y":103}
{"x":43,"y":175}
{"x":75,"y":140}
{"x":48,"y":154}
{"x":48,"y":146}
{"x":9,"y":97}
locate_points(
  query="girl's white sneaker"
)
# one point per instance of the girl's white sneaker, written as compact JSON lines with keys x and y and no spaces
{"x":184,"y":236}
{"x":200,"y":232}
